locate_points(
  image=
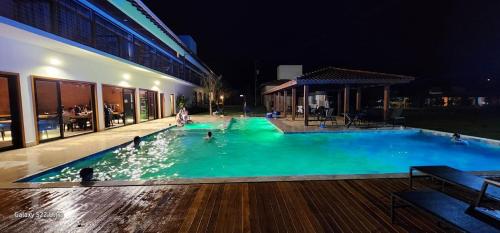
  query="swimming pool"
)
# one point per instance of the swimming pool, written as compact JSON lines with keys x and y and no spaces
{"x":253,"y":147}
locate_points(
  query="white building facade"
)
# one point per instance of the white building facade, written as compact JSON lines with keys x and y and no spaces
{"x":75,"y":66}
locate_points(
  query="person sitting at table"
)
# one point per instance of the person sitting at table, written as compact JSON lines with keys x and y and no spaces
{"x":107,"y":116}
{"x":82,"y":117}
{"x":67,"y":121}
{"x":77,"y":110}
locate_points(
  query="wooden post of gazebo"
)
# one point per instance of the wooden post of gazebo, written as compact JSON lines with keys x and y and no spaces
{"x":275,"y":103}
{"x":346,"y":101}
{"x":387,"y":93}
{"x":339,"y":102}
{"x":306,"y":105}
{"x":262,"y":101}
{"x":266,"y":105}
{"x":268,"y":99}
{"x":278,"y":107}
{"x":284,"y":103}
{"x":358,"y":99}
{"x":294,"y":103}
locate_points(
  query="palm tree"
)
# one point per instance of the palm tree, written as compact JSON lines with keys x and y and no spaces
{"x":212,"y":85}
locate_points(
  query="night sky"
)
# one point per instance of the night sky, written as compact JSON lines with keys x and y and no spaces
{"x":436,"y":41}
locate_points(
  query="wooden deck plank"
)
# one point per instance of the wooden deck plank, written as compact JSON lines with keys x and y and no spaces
{"x":365,"y":202}
{"x":356,"y":202}
{"x":319,"y":210}
{"x":229,"y":218}
{"x":194,"y":208}
{"x":268,"y":209}
{"x":299,"y":206}
{"x":298,"y":209}
{"x":339,"y":201}
{"x":208,"y":218}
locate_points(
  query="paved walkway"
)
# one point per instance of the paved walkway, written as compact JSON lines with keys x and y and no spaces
{"x":16,"y":164}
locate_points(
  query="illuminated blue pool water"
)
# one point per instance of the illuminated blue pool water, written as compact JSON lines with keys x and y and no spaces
{"x":254,"y":147}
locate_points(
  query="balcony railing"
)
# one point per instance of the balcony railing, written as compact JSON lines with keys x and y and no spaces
{"x":74,"y":21}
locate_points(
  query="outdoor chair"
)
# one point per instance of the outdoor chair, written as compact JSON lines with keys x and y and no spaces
{"x":351,"y":120}
{"x":348,"y":120}
{"x":396,"y":117}
{"x":466,"y":217}
{"x":361,"y":117}
{"x":276,"y":114}
{"x":329,"y":116}
{"x":319,"y":112}
{"x":45,"y":125}
{"x":3,"y":128}
{"x":454,"y":176}
{"x":68,"y":122}
{"x":300,"y":110}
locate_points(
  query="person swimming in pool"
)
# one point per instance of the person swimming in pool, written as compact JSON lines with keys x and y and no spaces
{"x":209,"y":136}
{"x":457,"y":140}
{"x":87,"y":175}
{"x":137,"y":142}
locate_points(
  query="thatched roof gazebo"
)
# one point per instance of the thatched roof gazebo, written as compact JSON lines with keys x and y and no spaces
{"x":339,"y":79}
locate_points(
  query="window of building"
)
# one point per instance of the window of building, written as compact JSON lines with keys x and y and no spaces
{"x":119,"y":106}
{"x":63,"y":108}
{"x":148,"y":105}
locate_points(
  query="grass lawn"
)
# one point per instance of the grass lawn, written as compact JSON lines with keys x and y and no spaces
{"x":470,"y":121}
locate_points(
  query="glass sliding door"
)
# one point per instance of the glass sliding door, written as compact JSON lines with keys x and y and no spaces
{"x":143,"y":103}
{"x":152,"y":109}
{"x":10,"y":113}
{"x":172,"y":105}
{"x":77,"y":105}
{"x":5,"y":114}
{"x":148,"y":105}
{"x":162,"y":105}
{"x":48,"y":111}
{"x":129,"y":106}
{"x":64,"y":108}
{"x":119,"y":109}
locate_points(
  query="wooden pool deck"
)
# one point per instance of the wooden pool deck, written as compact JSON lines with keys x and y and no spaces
{"x":300,"y":206}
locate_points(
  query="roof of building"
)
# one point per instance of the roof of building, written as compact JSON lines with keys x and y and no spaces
{"x":341,"y":76}
{"x":274,"y":82}
{"x":151,"y":22}
{"x":333,"y":75}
